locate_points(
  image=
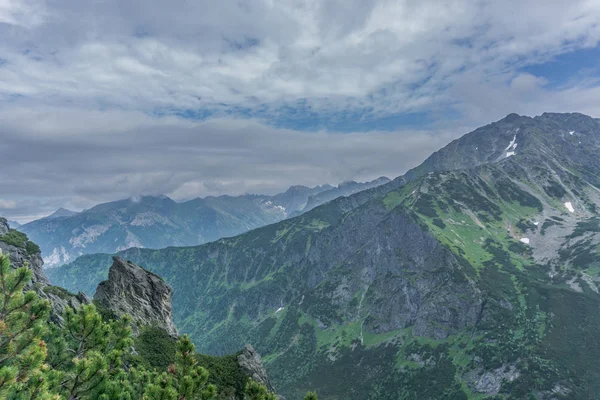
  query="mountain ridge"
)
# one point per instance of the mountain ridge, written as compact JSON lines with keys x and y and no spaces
{"x":158,"y":221}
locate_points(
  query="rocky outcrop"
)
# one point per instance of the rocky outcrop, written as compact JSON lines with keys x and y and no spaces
{"x":251,"y":364}
{"x":3,"y":226}
{"x":21,"y":255}
{"x":490,"y":382}
{"x":130,"y":289}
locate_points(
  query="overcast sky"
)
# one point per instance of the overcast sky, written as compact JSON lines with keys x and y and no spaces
{"x":102,"y":100}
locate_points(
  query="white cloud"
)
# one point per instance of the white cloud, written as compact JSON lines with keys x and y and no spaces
{"x":62,"y":62}
{"x":527,"y":83}
{"x":23,"y":13}
{"x":383,"y":56}
{"x":7,"y":204}
{"x":60,"y":157}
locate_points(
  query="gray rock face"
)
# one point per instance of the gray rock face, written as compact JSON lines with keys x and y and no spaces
{"x":251,"y":364}
{"x":19,"y":256}
{"x":490,"y":382}
{"x":132,"y":290}
{"x":3,"y":226}
{"x":58,"y":297}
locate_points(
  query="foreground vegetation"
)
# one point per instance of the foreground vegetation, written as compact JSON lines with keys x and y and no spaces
{"x":94,"y":356}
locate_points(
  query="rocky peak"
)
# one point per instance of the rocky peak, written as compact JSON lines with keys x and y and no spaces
{"x":60,"y":213}
{"x":251,"y":364}
{"x":130,"y":289}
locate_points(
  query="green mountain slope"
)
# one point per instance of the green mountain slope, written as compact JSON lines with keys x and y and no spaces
{"x":473,"y":276}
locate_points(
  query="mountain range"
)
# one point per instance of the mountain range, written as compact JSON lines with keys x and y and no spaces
{"x":158,"y":221}
{"x":473,"y":276}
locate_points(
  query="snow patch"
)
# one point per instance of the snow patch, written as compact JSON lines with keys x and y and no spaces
{"x":569,"y":206}
{"x":59,"y":256}
{"x":512,"y":145}
{"x":524,"y":240}
{"x":279,"y":309}
{"x":510,"y":153}
{"x":571,"y":133}
{"x":536,"y":223}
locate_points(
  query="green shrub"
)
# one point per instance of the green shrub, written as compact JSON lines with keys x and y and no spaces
{"x":32,"y":248}
{"x":155,"y":347}
{"x":15,"y":238}
{"x":20,"y":240}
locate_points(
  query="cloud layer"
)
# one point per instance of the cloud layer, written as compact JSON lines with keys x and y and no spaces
{"x":101,"y":100}
{"x":369,"y":57}
{"x":102,"y":156}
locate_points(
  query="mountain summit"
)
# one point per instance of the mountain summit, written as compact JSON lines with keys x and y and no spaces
{"x":60,"y":213}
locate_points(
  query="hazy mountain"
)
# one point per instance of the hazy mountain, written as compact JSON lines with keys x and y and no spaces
{"x":60,"y":213}
{"x":158,"y":221}
{"x":346,"y":188}
{"x":14,"y":224}
{"x":475,"y":275}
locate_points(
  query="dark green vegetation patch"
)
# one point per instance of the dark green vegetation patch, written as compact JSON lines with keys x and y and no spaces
{"x":20,"y":240}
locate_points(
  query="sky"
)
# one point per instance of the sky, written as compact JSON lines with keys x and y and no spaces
{"x":108,"y":99}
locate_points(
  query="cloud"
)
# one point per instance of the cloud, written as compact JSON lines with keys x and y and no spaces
{"x":76,"y":160}
{"x":7,"y":204}
{"x":111,"y":99}
{"x":22,"y":13}
{"x":375,"y":58}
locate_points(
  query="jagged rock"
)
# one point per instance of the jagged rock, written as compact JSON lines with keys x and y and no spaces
{"x":251,"y":364}
{"x":130,"y":289}
{"x":58,"y":297}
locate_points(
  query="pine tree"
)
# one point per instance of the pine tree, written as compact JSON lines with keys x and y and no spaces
{"x":22,"y":324}
{"x":184,"y":380}
{"x":258,"y":391}
{"x":90,"y":360}
{"x":310,"y":396}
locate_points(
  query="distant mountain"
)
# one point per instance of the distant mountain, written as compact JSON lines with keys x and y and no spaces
{"x":344,"y":189}
{"x":475,"y":275}
{"x":14,"y":224}
{"x":158,"y":222}
{"x":61,"y":213}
